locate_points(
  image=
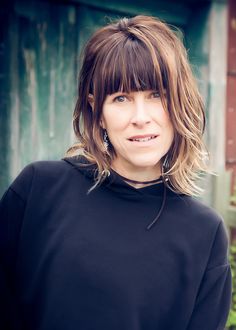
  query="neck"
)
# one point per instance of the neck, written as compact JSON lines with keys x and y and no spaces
{"x":138,"y":177}
{"x":140,"y":184}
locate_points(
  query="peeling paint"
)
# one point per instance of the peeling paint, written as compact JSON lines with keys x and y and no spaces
{"x":71,"y":15}
{"x":30,"y":56}
{"x":51,"y":106}
{"x":14,"y":106}
{"x":42,"y":28}
{"x":42,"y":33}
{"x":60,"y":53}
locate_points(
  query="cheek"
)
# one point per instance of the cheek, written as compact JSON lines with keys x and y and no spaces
{"x":114,"y":123}
{"x":170,"y":133}
{"x":168,"y":130}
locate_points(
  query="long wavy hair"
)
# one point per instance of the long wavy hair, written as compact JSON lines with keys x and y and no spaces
{"x":137,"y":54}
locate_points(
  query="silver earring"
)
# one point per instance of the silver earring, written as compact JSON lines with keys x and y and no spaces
{"x":165,"y":168}
{"x":105,"y":140}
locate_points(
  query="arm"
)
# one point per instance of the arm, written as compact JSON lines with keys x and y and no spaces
{"x":214,"y":296}
{"x":12,"y":208}
{"x":11,"y":213}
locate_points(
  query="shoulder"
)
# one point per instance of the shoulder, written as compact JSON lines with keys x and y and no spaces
{"x":201,"y":210}
{"x":201,"y":228}
{"x":213,"y":220}
{"x":40,"y":174}
{"x":49,"y":168}
{"x":212,"y":231}
{"x":196,"y":217}
{"x":192,"y":208}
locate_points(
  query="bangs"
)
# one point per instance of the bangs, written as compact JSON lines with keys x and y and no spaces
{"x":129,"y":66}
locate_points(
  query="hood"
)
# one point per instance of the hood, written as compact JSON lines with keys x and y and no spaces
{"x":119,"y":186}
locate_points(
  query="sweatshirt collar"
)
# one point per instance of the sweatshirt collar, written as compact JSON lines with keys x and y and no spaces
{"x":114,"y":181}
{"x":123,"y":189}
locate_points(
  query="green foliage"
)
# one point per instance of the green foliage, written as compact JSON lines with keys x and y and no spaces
{"x":231,"y":322}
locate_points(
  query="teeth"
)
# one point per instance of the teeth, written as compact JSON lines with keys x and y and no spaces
{"x":144,"y":139}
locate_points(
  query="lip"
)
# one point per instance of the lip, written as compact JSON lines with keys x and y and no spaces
{"x":144,"y":136}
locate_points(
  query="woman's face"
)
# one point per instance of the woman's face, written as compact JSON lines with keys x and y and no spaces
{"x":139,"y":129}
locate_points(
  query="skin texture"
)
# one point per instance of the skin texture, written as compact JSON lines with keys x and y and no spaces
{"x":135,"y":115}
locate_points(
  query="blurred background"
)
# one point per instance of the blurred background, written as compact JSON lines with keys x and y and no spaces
{"x":40,"y":43}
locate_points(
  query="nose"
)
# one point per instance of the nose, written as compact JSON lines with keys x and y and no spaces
{"x":140,"y":114}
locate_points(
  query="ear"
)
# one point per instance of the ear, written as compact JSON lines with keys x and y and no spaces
{"x":102,"y":124}
{"x":91,"y":100}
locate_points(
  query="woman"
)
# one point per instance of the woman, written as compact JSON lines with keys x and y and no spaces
{"x":111,"y":237}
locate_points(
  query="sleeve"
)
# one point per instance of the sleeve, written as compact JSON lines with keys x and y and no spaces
{"x":12,"y":209}
{"x":213,"y":301}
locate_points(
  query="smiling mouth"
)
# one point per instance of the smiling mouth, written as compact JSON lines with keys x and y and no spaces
{"x":144,"y":139}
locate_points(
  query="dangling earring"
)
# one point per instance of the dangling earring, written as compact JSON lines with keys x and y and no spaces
{"x":164,"y":169}
{"x":105,"y":140}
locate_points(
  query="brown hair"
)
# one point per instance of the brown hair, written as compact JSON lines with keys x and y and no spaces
{"x":136,"y":54}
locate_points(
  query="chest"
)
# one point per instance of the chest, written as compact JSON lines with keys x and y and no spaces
{"x":106,"y":248}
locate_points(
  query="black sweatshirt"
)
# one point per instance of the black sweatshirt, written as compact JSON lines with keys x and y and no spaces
{"x":70,"y":260}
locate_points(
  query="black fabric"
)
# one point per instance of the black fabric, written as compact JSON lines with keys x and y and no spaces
{"x":70,"y":260}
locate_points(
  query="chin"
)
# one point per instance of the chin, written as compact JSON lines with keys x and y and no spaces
{"x":145,"y":161}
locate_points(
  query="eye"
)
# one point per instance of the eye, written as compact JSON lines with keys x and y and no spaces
{"x":120,"y":99}
{"x":155,"y":95}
